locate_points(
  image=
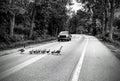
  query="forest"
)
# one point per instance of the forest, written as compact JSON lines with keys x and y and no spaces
{"x":31,"y":20}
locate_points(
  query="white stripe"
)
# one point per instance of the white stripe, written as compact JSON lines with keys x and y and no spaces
{"x":20,"y":66}
{"x":79,"y":65}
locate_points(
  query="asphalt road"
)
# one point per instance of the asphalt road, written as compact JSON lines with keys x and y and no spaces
{"x":84,"y":58}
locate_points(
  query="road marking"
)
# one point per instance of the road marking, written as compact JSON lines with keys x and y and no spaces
{"x":79,"y":65}
{"x":20,"y":66}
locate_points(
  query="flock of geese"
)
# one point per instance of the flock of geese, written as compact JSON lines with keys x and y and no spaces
{"x":40,"y":51}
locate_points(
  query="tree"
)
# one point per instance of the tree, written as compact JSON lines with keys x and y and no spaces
{"x":103,"y":10}
{"x":50,"y":16}
{"x":112,"y":9}
{"x":12,"y":8}
{"x":79,"y":20}
{"x":33,"y":14}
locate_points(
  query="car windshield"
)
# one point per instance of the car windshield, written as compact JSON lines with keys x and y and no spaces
{"x":64,"y":32}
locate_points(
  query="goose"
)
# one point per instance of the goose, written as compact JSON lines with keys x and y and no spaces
{"x":48,"y":51}
{"x":39,"y":51}
{"x":52,"y":52}
{"x":59,"y":50}
{"x":34,"y":51}
{"x":22,"y":50}
{"x":31,"y":52}
{"x":43,"y":51}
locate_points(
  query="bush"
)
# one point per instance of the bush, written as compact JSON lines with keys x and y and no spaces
{"x":35,"y":35}
{"x":17,"y":38}
{"x":19,"y":29}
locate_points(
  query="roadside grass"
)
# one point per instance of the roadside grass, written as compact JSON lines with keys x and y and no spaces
{"x":24,"y":43}
{"x":114,"y":49}
{"x":114,"y":46}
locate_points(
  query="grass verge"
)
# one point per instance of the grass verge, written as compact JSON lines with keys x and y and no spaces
{"x":26,"y":43}
{"x":114,"y":46}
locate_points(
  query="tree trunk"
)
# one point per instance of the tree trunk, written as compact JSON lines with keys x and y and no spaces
{"x":105,"y":18}
{"x":103,"y":26}
{"x":105,"y":23}
{"x":12,"y":25}
{"x":112,"y":8}
{"x":32,"y":21}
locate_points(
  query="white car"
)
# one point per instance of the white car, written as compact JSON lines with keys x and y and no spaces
{"x":64,"y":36}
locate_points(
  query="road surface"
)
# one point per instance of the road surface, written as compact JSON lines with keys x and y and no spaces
{"x":84,"y":58}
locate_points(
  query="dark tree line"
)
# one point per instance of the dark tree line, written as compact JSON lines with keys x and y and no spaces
{"x":98,"y":18}
{"x":22,"y":19}
{"x":103,"y":10}
{"x":31,"y":19}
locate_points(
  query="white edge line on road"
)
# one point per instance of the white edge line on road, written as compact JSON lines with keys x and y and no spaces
{"x":79,"y":65}
{"x":20,"y":66}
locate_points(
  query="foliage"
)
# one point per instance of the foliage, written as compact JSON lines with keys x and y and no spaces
{"x":104,"y":11}
{"x":21,"y":18}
